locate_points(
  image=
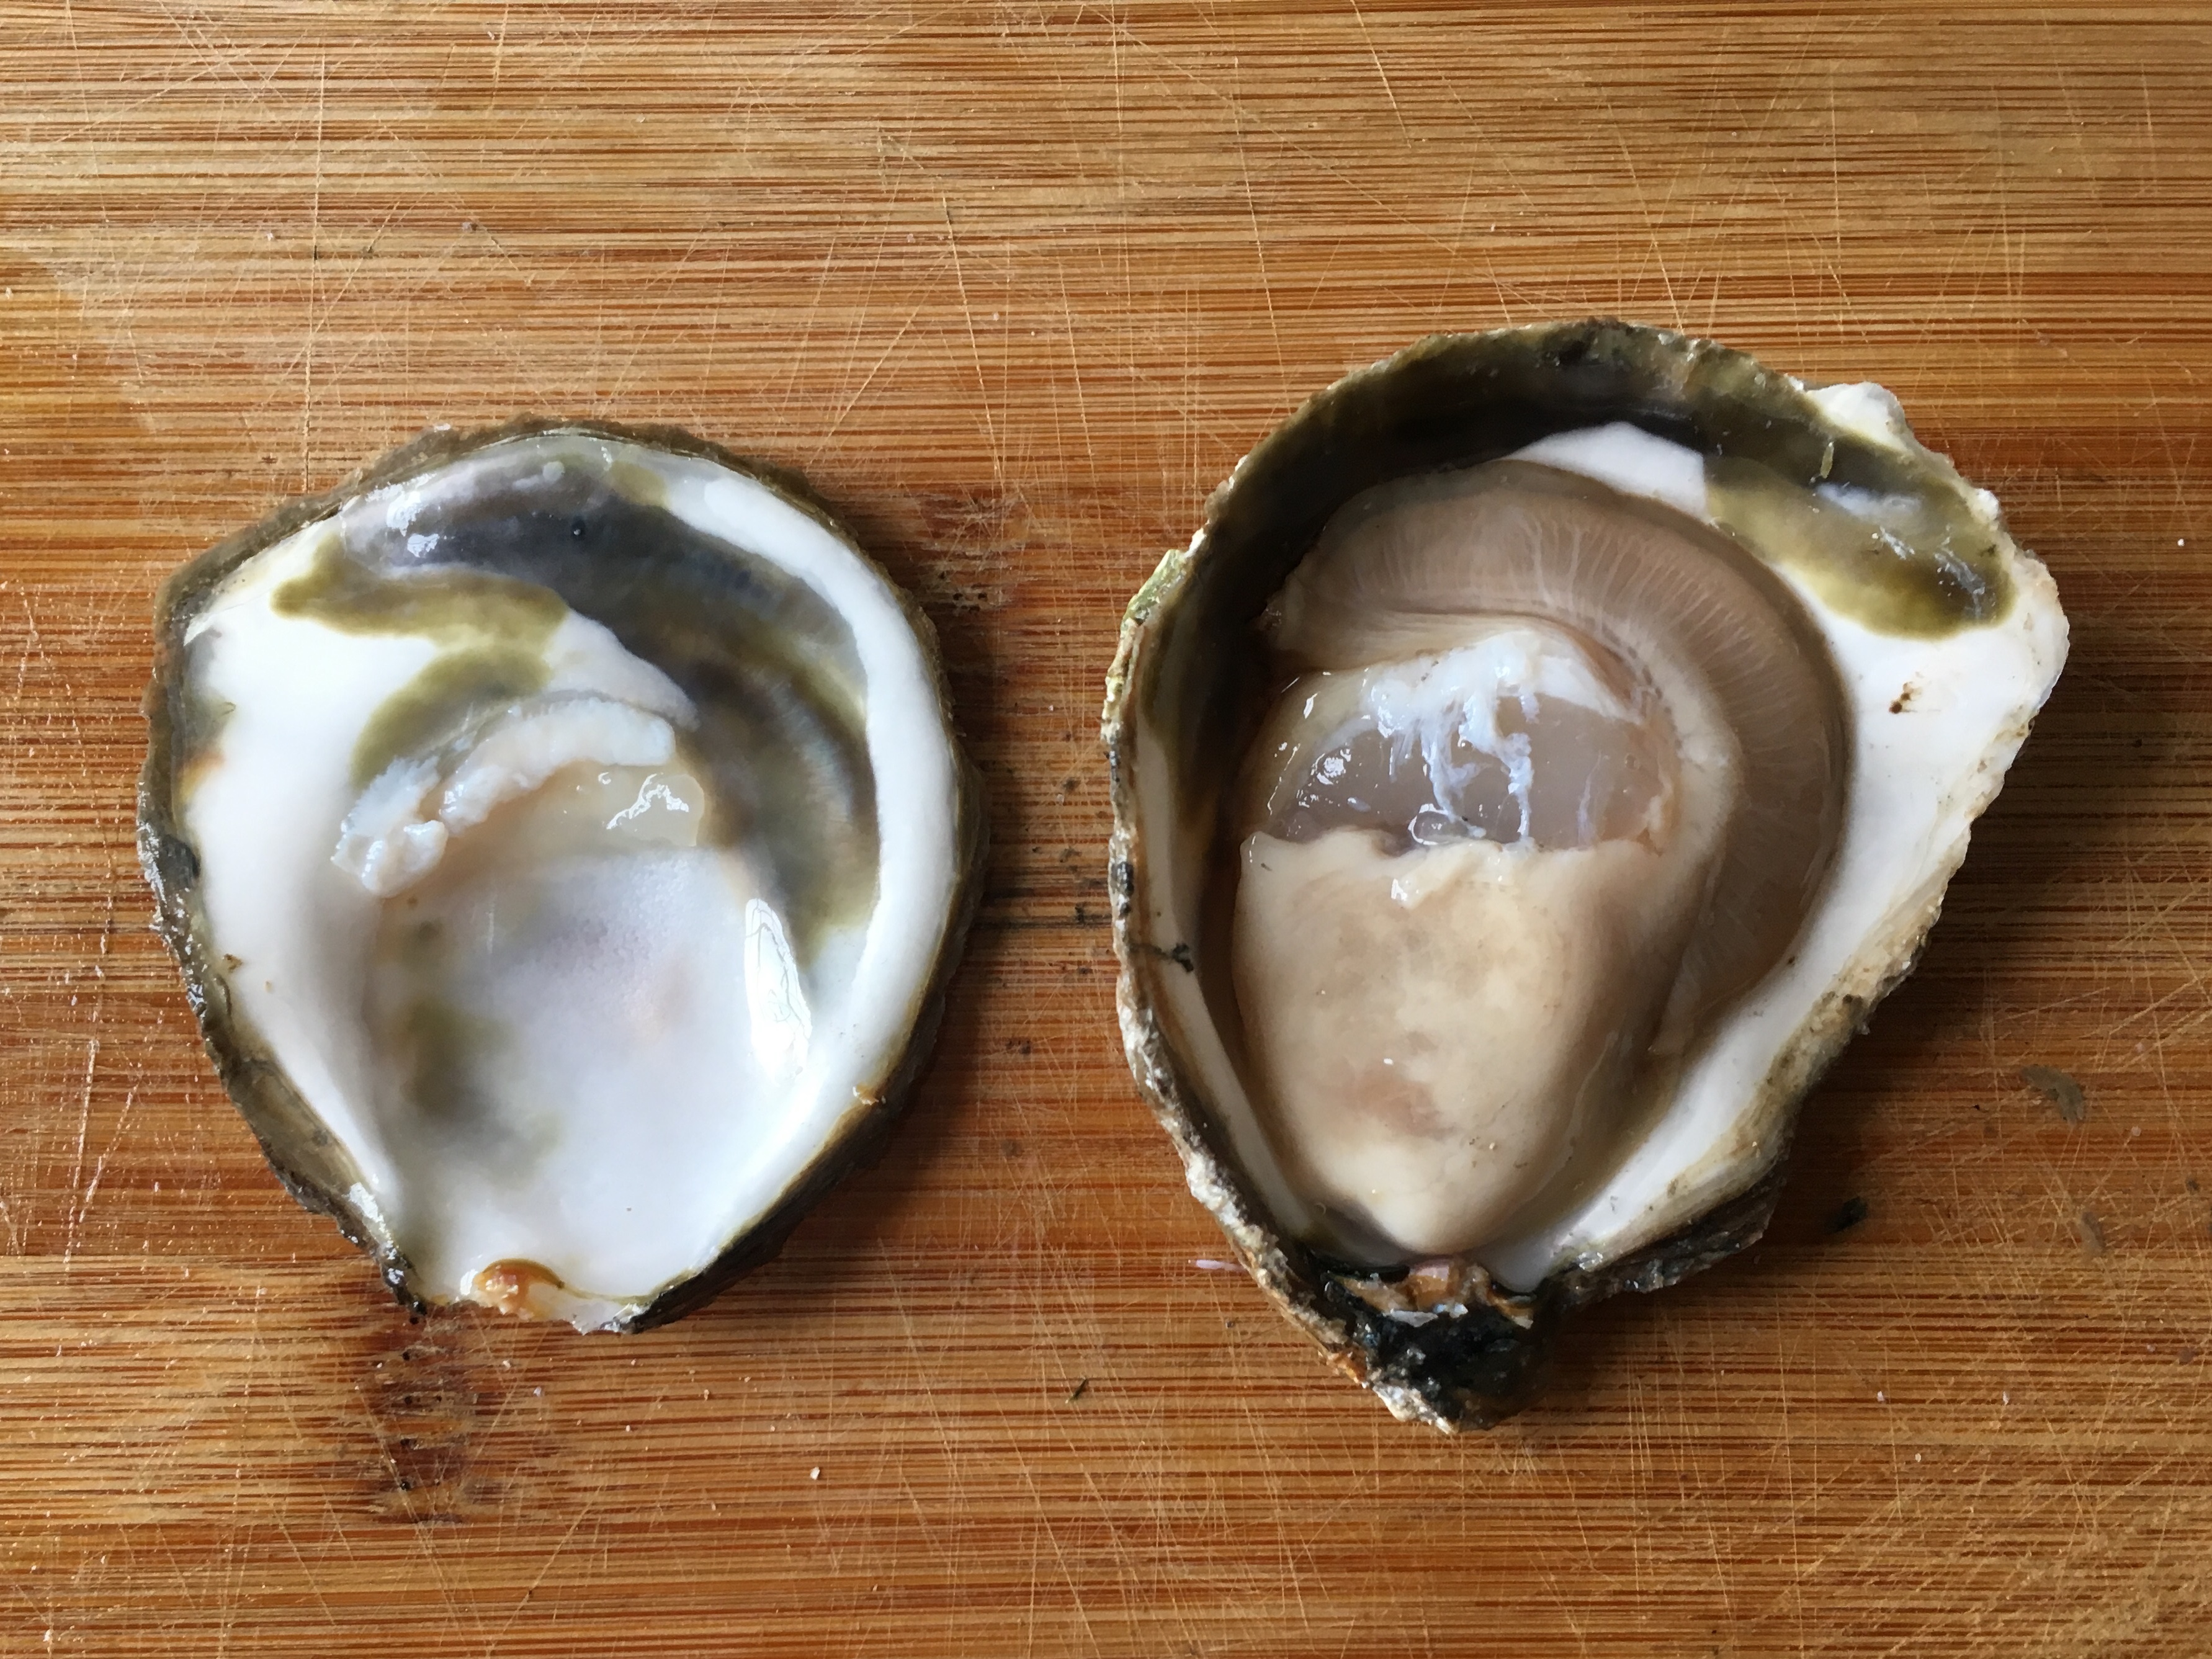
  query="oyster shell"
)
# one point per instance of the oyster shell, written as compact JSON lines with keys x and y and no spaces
{"x":1549,"y":750}
{"x":563,"y":838}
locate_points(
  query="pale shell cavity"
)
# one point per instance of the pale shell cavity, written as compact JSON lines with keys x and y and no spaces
{"x":582,"y":959}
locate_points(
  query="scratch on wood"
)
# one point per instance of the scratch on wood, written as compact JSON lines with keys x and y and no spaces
{"x":1381,"y":74}
{"x":76,"y":1169}
{"x":1252,"y":214}
{"x":314,"y":273}
{"x":967,"y":315}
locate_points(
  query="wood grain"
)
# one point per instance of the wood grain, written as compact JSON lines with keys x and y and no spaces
{"x":1016,"y":285}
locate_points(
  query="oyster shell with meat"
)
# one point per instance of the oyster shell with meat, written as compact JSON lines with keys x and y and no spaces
{"x":1550,"y":747}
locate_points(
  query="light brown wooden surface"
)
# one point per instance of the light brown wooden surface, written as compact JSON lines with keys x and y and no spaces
{"x":1017,"y":285}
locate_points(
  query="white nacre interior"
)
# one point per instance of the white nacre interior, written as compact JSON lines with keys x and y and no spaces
{"x":551,"y":1023}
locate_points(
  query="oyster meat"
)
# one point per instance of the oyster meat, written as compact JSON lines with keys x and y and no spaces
{"x":1552,"y":746}
{"x":563,"y":837}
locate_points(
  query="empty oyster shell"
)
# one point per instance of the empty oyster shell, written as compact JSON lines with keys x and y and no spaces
{"x":1549,"y":750}
{"x":563,"y":838}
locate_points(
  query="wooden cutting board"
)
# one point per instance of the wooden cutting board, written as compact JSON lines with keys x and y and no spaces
{"x":1017,"y":285}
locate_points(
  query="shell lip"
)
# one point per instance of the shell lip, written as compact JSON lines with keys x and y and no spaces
{"x":1473,"y":1368}
{"x":306,"y":1159}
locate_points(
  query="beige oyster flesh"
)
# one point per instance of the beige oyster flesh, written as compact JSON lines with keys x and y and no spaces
{"x":1550,"y":749}
{"x":563,"y":835}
